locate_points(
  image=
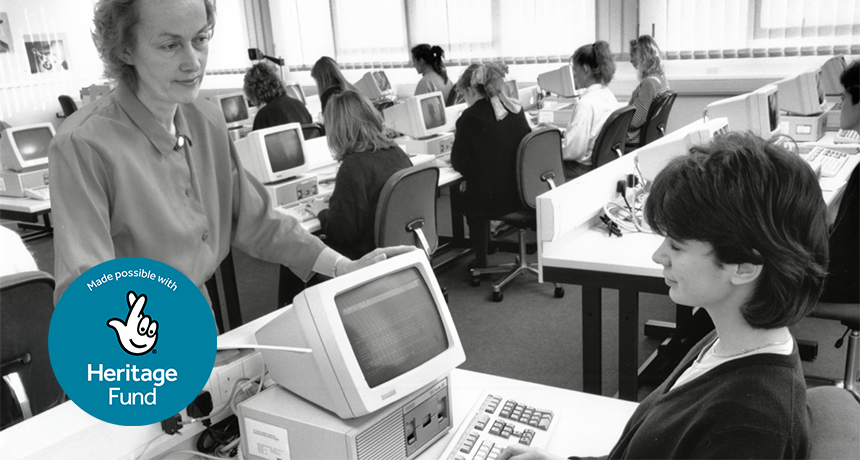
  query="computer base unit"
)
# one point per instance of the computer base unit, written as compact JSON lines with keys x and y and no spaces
{"x":803,"y":128}
{"x":292,"y":190}
{"x":277,"y":424}
{"x":13,"y":183}
{"x":438,"y":144}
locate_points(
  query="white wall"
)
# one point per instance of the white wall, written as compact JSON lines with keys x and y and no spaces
{"x":27,"y":97}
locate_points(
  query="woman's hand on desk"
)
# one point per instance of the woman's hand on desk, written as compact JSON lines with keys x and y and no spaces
{"x":315,"y":206}
{"x":377,"y":255}
{"x":520,"y":452}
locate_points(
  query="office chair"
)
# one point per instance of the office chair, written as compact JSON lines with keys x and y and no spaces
{"x":610,"y":142}
{"x":539,"y":166}
{"x":406,"y":210}
{"x":231,"y":294}
{"x":834,"y":423}
{"x":29,"y":386}
{"x":655,"y":124}
{"x":68,"y":105}
{"x":312,"y":131}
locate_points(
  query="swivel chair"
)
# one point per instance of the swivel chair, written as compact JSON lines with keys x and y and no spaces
{"x":834,"y":423}
{"x":312,"y":131}
{"x":610,"y":142}
{"x":68,"y":105}
{"x":655,"y":124}
{"x":29,"y":386}
{"x":406,"y":210}
{"x":539,"y":166}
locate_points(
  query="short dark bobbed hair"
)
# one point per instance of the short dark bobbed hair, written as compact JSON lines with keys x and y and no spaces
{"x":114,"y":22}
{"x":263,"y":84}
{"x":754,"y":202}
{"x":850,"y":80}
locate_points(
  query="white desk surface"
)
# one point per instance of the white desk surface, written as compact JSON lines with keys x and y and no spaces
{"x":587,"y":424}
{"x":28,"y":205}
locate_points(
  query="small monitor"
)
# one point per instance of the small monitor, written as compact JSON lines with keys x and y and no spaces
{"x":831,"y":70}
{"x":528,"y":97}
{"x":274,"y":154}
{"x":235,"y":109}
{"x":295,"y":91}
{"x":559,"y":81}
{"x":418,"y":116}
{"x":653,"y":157}
{"x":802,"y":94}
{"x":376,"y":335}
{"x":511,"y":90}
{"x":24,"y":148}
{"x":757,"y":111}
{"x":375,"y":85}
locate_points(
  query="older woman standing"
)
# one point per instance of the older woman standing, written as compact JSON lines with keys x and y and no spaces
{"x":645,"y":57}
{"x":149,"y":171}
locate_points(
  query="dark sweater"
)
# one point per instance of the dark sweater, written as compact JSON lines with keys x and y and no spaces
{"x":348,"y":223}
{"x":280,"y":111}
{"x":752,"y":407}
{"x":485,"y":153}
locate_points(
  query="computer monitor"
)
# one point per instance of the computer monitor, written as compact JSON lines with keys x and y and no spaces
{"x":234,"y":107}
{"x":653,"y":157}
{"x":24,"y":148}
{"x":375,"y":85}
{"x":528,"y":97}
{"x":376,"y":335}
{"x":418,"y":116}
{"x":831,"y":70}
{"x":559,"y":81}
{"x":510,"y":89}
{"x":274,"y":154}
{"x":802,"y":94}
{"x":757,"y":111}
{"x":295,"y":91}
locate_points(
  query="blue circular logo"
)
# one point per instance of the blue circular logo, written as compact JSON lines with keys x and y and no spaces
{"x":132,"y":341}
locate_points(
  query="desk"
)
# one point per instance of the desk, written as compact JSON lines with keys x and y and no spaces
{"x":27,"y":212}
{"x":588,"y":424}
{"x":573,"y":248}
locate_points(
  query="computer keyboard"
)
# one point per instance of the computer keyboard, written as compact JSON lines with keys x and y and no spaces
{"x":42,"y":193}
{"x":299,"y":209}
{"x":847,"y":136}
{"x":443,"y":159}
{"x":830,"y":161}
{"x":494,"y":423}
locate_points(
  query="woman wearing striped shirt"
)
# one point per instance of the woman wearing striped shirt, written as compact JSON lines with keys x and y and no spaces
{"x":645,"y":57}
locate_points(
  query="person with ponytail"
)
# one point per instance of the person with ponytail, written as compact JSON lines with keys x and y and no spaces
{"x":489,"y":132}
{"x":427,"y":60}
{"x":593,"y":69}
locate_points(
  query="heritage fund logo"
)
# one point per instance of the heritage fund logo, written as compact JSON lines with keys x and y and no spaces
{"x":103,"y":339}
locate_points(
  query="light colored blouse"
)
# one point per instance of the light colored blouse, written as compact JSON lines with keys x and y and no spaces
{"x":589,"y":115}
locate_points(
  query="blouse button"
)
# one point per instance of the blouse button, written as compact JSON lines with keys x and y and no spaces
{"x":205,"y":236}
{"x":188,"y":192}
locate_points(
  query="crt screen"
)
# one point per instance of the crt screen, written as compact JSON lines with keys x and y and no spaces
{"x":234,"y":109}
{"x":393,"y":325}
{"x":381,"y":81}
{"x":32,"y":143}
{"x":773,"y":110}
{"x":284,"y":150}
{"x":433,"y":112}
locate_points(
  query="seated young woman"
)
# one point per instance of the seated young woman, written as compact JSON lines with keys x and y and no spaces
{"x":329,"y":80}
{"x":645,"y":57}
{"x":354,"y":131}
{"x":489,"y":132}
{"x":264,"y":87}
{"x":427,"y":61}
{"x":593,"y":69}
{"x":745,"y":238}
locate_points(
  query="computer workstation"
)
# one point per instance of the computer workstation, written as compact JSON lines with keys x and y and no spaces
{"x":561,"y":94}
{"x":25,"y":179}
{"x":237,"y":113}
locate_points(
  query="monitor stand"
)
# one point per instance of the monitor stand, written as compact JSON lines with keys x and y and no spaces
{"x":238,"y":132}
{"x":13,"y":183}
{"x":436,"y":145}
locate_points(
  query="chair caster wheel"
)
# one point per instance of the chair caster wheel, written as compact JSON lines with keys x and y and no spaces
{"x":559,"y":292}
{"x":498,"y":297}
{"x":476,"y":281}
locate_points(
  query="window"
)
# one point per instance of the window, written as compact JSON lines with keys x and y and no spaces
{"x":756,"y":28}
{"x":369,"y":32}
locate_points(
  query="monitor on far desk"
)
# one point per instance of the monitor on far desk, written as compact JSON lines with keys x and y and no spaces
{"x":424,"y":119}
{"x":24,"y":158}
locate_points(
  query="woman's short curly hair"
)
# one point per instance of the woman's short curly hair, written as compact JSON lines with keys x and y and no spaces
{"x":114,"y":22}
{"x":262,"y":84}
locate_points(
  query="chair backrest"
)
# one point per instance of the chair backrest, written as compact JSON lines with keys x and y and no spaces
{"x":539,"y":164}
{"x":658,"y":114}
{"x":610,"y":142}
{"x":834,"y":423}
{"x":68,"y":105}
{"x":406,"y":211}
{"x":312,"y":131}
{"x":29,"y":386}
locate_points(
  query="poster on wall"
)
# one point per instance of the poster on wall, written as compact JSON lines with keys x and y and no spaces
{"x":5,"y":34}
{"x":46,"y":53}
